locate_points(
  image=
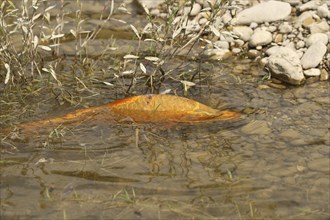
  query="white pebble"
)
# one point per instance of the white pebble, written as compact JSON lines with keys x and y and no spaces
{"x":312,"y":72}
{"x":317,"y":37}
{"x":323,"y":11}
{"x":300,"y":44}
{"x":236,"y":50}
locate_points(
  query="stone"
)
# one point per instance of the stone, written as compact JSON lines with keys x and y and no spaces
{"x":238,"y":42}
{"x":317,"y":37}
{"x":155,"y":12}
{"x":285,"y":28}
{"x":202,"y":21}
{"x":253,"y":53}
{"x":293,"y":2}
{"x":149,"y":4}
{"x":264,"y":12}
{"x":319,"y":27}
{"x":323,"y":11}
{"x":257,"y":127}
{"x":192,"y":26}
{"x":308,"y":21}
{"x":284,"y":64}
{"x":300,"y":44}
{"x":260,"y":38}
{"x":221,"y":44}
{"x":271,"y":28}
{"x":312,"y":72}
{"x":196,"y":8}
{"x":243,"y":32}
{"x":298,"y":22}
{"x":320,"y":164}
{"x":310,"y":5}
{"x":217,"y":54}
{"x":236,"y":50}
{"x":226,"y":18}
{"x":313,"y":56}
{"x":324,"y":75}
{"x":278,"y":38}
{"x":253,"y":25}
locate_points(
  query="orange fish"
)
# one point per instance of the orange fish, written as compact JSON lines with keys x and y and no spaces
{"x":139,"y":109}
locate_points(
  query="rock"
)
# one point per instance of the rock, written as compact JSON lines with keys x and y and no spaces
{"x":226,"y":18}
{"x":300,"y":44}
{"x":277,"y":50}
{"x":284,"y":64}
{"x":238,"y":42}
{"x":253,"y":53}
{"x":298,"y":22}
{"x":278,"y":38}
{"x":221,"y":44}
{"x":257,"y":127}
{"x":196,"y":8}
{"x":192,"y":26}
{"x":323,"y":11}
{"x":243,"y":32}
{"x":217,"y":54}
{"x":313,"y":56}
{"x":324,"y":75}
{"x":285,"y":28}
{"x":202,"y":21}
{"x":236,"y":50}
{"x":253,"y":25}
{"x":317,"y":37}
{"x":260,"y":38}
{"x":311,"y":5}
{"x":271,"y":28}
{"x":308,"y":21}
{"x":293,"y":2}
{"x":155,"y":12}
{"x":319,"y":27}
{"x":320,"y":164}
{"x":312,"y":72}
{"x":149,"y":4}
{"x":264,"y":12}
{"x":290,"y":134}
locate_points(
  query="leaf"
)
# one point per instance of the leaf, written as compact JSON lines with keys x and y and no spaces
{"x":131,"y":56}
{"x":50,"y":8}
{"x":46,"y":48}
{"x":35,"y":17}
{"x":154,"y":59}
{"x":35,"y":42}
{"x":108,"y":84}
{"x":143,"y":68}
{"x":51,"y":71}
{"x":176,"y":32}
{"x":73,"y":32}
{"x":8,"y":73}
{"x":135,"y":31}
{"x":56,"y":36}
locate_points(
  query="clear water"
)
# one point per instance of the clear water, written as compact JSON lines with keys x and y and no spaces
{"x":272,"y":164}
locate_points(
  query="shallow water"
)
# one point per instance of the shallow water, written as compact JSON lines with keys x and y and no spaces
{"x":273,"y":163}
